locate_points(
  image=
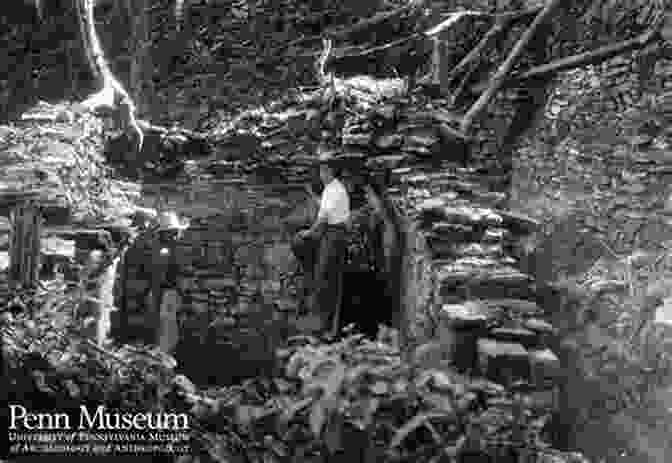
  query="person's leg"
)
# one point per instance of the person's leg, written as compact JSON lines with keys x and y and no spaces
{"x":339,"y":270}
{"x":169,"y":332}
{"x":306,"y":252}
{"x":329,"y":275}
{"x":318,"y":299}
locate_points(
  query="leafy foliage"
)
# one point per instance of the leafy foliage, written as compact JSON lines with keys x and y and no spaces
{"x":334,"y":397}
{"x":329,"y":399}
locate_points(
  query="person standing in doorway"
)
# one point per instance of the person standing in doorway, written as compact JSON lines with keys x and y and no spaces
{"x":168,"y":298}
{"x":327,"y":236}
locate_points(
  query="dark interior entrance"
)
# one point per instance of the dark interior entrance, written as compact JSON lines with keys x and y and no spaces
{"x":371,"y":277}
{"x":367,"y":299}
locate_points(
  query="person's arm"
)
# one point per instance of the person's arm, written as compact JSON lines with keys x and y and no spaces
{"x":315,"y":229}
{"x":321,"y":218}
{"x":326,"y":204}
{"x":314,"y":196}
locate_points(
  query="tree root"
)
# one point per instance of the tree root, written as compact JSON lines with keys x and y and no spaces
{"x":112,"y":95}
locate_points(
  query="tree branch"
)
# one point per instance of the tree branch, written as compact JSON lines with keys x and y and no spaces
{"x":596,"y":56}
{"x":500,"y":76}
{"x":502,"y":23}
{"x":365,"y":24}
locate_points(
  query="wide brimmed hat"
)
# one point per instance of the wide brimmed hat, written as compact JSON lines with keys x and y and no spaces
{"x":170,"y":221}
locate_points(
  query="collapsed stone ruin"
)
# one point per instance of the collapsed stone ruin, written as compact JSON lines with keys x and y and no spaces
{"x":458,"y":282}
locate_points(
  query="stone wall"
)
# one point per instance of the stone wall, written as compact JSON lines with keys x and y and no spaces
{"x":472,"y":307}
{"x":419,"y":287}
{"x":603,"y":148}
{"x":596,"y":173}
{"x":230,"y":262}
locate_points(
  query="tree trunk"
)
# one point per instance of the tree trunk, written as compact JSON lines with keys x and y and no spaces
{"x":599,"y":55}
{"x":24,"y":254}
{"x":112,"y":95}
{"x":498,"y":79}
{"x":141,"y":71}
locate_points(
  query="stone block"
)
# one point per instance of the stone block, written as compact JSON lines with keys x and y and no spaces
{"x":544,"y":329}
{"x":477,"y":288}
{"x":518,"y":223}
{"x":478,"y":249}
{"x":87,"y":239}
{"x":545,"y":367}
{"x":539,"y":325}
{"x":286,"y":305}
{"x":432,"y":355}
{"x":450,"y":277}
{"x":54,"y":246}
{"x":441,"y":248}
{"x":545,"y":399}
{"x":528,"y":339}
{"x":455,"y":232}
{"x":517,"y":307}
{"x":503,"y":362}
{"x":507,"y":276}
{"x":469,"y":314}
{"x":459,"y":345}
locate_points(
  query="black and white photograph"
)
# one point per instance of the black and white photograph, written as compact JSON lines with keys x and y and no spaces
{"x":336,"y":231}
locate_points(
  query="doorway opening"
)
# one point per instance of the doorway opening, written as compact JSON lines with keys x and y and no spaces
{"x":371,"y":291}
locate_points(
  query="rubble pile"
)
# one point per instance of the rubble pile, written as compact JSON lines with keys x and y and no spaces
{"x":374,"y":125}
{"x":54,"y":155}
{"x":53,"y":158}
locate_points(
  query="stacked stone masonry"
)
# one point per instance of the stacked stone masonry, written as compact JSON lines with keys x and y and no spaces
{"x":488,"y":320}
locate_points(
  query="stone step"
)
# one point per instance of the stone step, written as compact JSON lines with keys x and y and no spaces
{"x":479,"y":250}
{"x":447,"y":235}
{"x":495,"y":235}
{"x":503,"y":362}
{"x":448,"y":251}
{"x":460,"y":326}
{"x":474,"y":265}
{"x":461,"y":235}
{"x":468,"y":291}
{"x":436,"y":209}
{"x":518,"y":223}
{"x":286,"y":305}
{"x":219,"y":282}
{"x":484,"y":283}
{"x":544,"y":329}
{"x":517,"y":308}
{"x":545,"y":368}
{"x":478,"y":195}
{"x":526,"y":338}
{"x":470,"y":315}
{"x":57,"y":247}
{"x":85,"y":239}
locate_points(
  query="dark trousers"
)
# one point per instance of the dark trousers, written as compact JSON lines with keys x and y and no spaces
{"x":323,"y":261}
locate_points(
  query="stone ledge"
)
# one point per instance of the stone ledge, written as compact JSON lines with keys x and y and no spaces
{"x":503,"y":362}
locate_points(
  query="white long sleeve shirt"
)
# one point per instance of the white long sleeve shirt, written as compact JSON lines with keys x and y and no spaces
{"x":335,"y":203}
